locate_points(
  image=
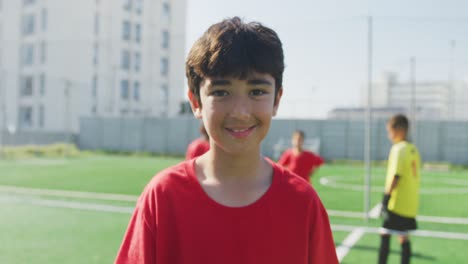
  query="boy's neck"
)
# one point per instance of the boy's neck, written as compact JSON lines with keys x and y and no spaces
{"x":234,"y":180}
{"x":225,"y":166}
{"x":245,"y":165}
{"x":398,"y":140}
{"x":297,"y":150}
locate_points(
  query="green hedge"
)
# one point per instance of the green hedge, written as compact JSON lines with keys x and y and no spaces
{"x":47,"y":151}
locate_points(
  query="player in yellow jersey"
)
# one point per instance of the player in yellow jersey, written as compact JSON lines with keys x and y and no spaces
{"x":401,"y":198}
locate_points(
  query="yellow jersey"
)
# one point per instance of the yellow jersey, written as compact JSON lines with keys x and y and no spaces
{"x":404,"y":160}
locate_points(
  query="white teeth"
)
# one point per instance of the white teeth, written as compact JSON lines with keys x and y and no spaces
{"x":240,"y":130}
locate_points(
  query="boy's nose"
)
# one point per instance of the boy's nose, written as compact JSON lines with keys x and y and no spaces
{"x":240,"y":108}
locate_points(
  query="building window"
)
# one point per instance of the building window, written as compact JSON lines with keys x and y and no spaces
{"x":96,"y":54}
{"x":166,"y":11}
{"x":137,"y":62}
{"x":124,"y":89}
{"x":26,"y":88}
{"x":164,"y":99}
{"x":126,"y":27}
{"x":28,"y":25}
{"x":125,"y":60}
{"x":44,"y":19}
{"x":25,"y":116}
{"x":94,"y":86}
{"x":127,"y":4}
{"x":42,"y":84}
{"x":164,"y":66}
{"x":41,"y":116}
{"x":28,"y":54}
{"x":136,"y":91}
{"x":138,"y":33}
{"x":96,"y":24}
{"x":43,"y":51}
{"x":139,"y":6}
{"x":165,"y":39}
{"x":28,"y":2}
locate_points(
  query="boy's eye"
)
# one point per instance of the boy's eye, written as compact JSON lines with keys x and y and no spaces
{"x":257,"y":92}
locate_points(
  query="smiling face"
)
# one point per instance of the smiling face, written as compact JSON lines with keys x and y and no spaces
{"x":236,"y":113}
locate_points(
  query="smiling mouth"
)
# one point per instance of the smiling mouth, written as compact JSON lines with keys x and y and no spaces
{"x":240,"y":132}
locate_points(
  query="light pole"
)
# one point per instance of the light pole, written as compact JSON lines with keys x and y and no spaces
{"x":67,"y":104}
{"x":2,"y":109}
{"x":413,"y":107}
{"x":67,"y":87}
{"x":113,"y":93}
{"x":451,"y":85}
{"x":367,"y":134}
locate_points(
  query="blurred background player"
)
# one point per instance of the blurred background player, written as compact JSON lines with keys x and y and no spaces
{"x":401,"y":198}
{"x":199,"y":146}
{"x":299,"y":160}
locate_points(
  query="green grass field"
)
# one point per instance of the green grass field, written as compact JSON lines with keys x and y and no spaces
{"x":76,"y":210}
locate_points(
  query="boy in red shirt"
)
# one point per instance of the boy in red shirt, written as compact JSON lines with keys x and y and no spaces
{"x":298,"y":160}
{"x":231,"y":205}
{"x":199,"y":146}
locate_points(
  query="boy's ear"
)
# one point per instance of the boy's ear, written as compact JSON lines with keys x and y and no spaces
{"x":195,"y":105}
{"x":277,"y":101}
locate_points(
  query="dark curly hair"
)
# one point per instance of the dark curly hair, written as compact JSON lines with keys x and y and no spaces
{"x":235,"y":49}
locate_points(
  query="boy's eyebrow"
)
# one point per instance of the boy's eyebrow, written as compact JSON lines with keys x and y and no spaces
{"x":259,"y":81}
{"x":220,"y":82}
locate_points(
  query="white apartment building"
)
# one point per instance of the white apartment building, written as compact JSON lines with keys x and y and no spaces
{"x":431,"y":99}
{"x":64,"y":59}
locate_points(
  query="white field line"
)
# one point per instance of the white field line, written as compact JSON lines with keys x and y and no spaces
{"x":336,"y":182}
{"x":67,"y":204}
{"x":421,"y":233}
{"x":375,"y":211}
{"x":422,"y":218}
{"x":349,"y":242}
{"x":355,"y":235}
{"x":70,"y":194}
{"x":443,"y":220}
{"x":349,"y":214}
{"x":127,"y":209}
{"x":134,"y":198}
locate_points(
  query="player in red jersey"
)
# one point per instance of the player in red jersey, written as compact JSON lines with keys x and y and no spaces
{"x":199,"y":146}
{"x":299,"y":160}
{"x":231,"y":205}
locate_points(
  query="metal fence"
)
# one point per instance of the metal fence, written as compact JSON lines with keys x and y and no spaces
{"x":439,"y":141}
{"x":20,"y":138}
{"x":156,"y":135}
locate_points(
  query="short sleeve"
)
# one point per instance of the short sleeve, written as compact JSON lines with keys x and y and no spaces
{"x":139,"y":241}
{"x":321,"y":244}
{"x":284,"y":159}
{"x":399,"y":162}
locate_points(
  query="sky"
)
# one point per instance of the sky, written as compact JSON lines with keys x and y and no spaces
{"x":326,"y":44}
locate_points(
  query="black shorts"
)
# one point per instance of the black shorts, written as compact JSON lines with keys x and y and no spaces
{"x":399,"y":223}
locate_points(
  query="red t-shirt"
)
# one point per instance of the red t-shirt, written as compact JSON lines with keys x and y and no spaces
{"x":303,"y":164}
{"x":176,"y":222}
{"x":197,"y":148}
